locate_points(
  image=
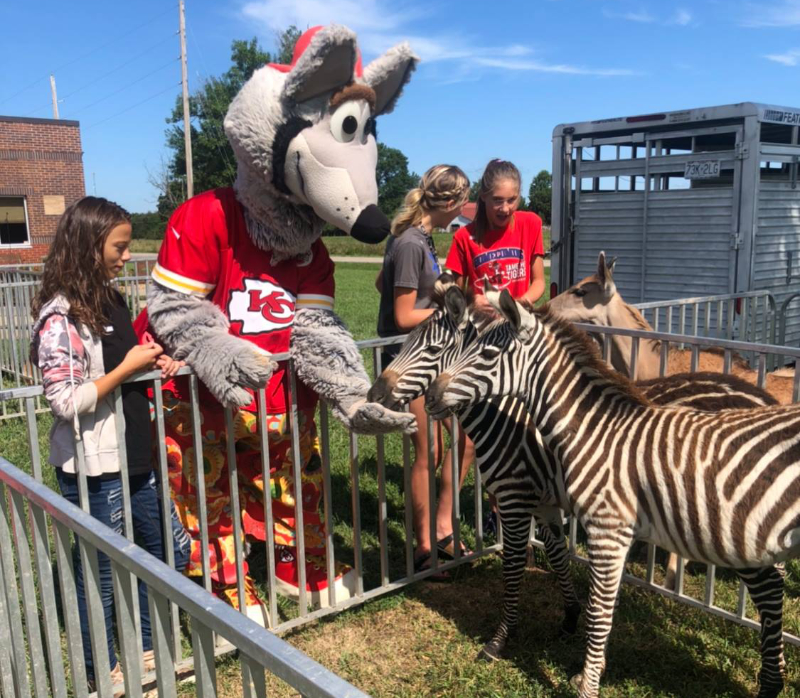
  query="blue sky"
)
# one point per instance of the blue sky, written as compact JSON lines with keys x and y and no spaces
{"x":496,"y":77}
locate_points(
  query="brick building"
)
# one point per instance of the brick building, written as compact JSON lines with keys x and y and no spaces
{"x":41,"y":172}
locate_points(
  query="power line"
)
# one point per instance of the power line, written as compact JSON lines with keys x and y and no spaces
{"x":125,"y":87}
{"x":114,"y":40}
{"x":133,"y":106}
{"x":105,"y":75}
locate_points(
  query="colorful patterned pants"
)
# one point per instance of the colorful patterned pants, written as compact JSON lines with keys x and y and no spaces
{"x":182,"y":462}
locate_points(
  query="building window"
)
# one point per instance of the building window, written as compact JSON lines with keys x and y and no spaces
{"x":13,"y":221}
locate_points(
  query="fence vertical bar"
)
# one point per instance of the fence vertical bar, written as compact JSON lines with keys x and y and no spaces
{"x":72,"y":623}
{"x":29,"y":601}
{"x":356,"y":505}
{"x":432,"y":492}
{"x":634,"y":356}
{"x":96,"y":617}
{"x":607,"y":349}
{"x":47,"y":589}
{"x":200,"y":479}
{"x":204,"y":668}
{"x":330,"y":559}
{"x":707,"y":319}
{"x":727,"y":361}
{"x":796,"y":381}
{"x":6,"y":670}
{"x":409,"y":521}
{"x":253,"y":674}
{"x":695,"y":358}
{"x":269,"y":523}
{"x":720,"y":315}
{"x":166,"y":513}
{"x":663,"y":363}
{"x":383,"y":514}
{"x":711,"y":575}
{"x":236,"y":509}
{"x":478,"y":493}
{"x":127,"y":514}
{"x":125,"y":591}
{"x":33,"y":443}
{"x":294,"y":423}
{"x":163,"y":648}
{"x":456,"y":476}
{"x":19,"y":660}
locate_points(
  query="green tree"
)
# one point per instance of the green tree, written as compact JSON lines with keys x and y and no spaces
{"x":394,"y":179}
{"x":540,"y":195}
{"x":212,"y":156}
{"x":474,"y":190}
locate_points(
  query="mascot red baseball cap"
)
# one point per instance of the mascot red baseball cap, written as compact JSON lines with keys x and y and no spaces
{"x":302,"y":45}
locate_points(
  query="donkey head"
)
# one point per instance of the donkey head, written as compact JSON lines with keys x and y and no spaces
{"x":304,"y":138}
{"x":589,"y":300}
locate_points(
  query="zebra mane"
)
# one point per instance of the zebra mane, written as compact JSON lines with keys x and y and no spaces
{"x":583,"y":350}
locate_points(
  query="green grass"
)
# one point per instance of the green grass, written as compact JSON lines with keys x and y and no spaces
{"x":423,"y":640}
{"x":345,"y":246}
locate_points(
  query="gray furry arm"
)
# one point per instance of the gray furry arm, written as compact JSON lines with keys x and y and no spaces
{"x":327,"y":360}
{"x":196,"y":330}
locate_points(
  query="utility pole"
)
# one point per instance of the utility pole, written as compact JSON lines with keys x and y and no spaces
{"x":53,"y":93}
{"x":187,"y":129}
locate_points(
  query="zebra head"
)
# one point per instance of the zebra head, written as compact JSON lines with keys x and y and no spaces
{"x":503,"y":360}
{"x":428,"y":349}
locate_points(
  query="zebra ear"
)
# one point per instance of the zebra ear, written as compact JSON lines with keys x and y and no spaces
{"x":605,"y":275}
{"x":456,"y":305}
{"x":510,"y":310}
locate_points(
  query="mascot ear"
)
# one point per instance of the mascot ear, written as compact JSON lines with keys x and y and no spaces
{"x":388,"y":75}
{"x":326,"y":65}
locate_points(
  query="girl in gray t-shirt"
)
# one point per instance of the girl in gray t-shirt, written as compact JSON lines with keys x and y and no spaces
{"x":410,"y":268}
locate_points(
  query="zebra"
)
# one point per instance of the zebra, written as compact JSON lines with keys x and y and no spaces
{"x":510,"y":455}
{"x":721,"y":488}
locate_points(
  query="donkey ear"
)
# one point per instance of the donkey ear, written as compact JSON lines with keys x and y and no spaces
{"x":326,"y":65}
{"x":388,"y":74}
{"x":456,"y":304}
{"x":601,"y":267}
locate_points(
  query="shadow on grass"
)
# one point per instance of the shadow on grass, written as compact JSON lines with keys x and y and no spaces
{"x":647,"y":647}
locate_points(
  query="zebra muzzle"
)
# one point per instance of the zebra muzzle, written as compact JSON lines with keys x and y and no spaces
{"x":382,"y":390}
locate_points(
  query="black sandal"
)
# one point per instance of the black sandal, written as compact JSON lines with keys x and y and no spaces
{"x":447,"y":549}
{"x":423,"y":562}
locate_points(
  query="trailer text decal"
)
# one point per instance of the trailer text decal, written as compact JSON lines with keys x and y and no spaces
{"x":782,"y":117}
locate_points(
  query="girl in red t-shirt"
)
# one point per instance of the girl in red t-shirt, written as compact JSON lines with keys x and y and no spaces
{"x":502,"y":245}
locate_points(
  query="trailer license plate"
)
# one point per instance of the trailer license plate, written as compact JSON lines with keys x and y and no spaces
{"x":702,"y":169}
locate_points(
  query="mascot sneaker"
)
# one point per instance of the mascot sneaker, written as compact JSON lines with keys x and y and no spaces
{"x":256,"y":609}
{"x":288,"y":585}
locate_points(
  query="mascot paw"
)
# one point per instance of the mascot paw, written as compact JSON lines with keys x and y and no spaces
{"x":236,"y":397}
{"x":373,"y":418}
{"x":251,"y":367}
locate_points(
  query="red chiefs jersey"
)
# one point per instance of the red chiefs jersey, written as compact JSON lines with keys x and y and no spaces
{"x":207,"y":252}
{"x":503,"y":257}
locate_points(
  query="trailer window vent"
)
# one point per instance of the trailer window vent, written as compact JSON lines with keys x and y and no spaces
{"x":646,"y":117}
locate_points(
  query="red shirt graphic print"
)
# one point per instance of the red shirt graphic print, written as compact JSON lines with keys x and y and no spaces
{"x":503,"y":257}
{"x":207,"y":252}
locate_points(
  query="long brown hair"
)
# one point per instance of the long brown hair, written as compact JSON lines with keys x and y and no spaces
{"x":74,"y":267}
{"x":440,"y":185}
{"x":494,"y":172}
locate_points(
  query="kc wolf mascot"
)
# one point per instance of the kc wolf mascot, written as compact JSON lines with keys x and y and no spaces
{"x":242,"y":274}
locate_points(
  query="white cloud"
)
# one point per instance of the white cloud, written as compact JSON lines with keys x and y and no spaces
{"x":778,"y":13}
{"x":790,"y":58}
{"x":682,"y":17}
{"x":380,"y":24}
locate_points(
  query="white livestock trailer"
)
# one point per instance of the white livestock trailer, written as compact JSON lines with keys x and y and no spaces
{"x":698,"y":202}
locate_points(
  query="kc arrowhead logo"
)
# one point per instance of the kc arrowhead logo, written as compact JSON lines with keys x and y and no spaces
{"x":261,"y":307}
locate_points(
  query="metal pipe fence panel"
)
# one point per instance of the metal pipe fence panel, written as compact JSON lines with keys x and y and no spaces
{"x":25,"y":668}
{"x":371,"y":583}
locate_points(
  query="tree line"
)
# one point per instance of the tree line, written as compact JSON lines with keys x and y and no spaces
{"x":214,"y":161}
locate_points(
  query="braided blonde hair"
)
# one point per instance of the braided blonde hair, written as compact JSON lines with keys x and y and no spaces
{"x":440,"y":187}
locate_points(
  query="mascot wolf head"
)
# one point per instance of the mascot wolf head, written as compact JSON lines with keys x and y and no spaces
{"x":304,"y":138}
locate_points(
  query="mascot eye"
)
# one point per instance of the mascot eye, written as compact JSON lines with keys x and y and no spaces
{"x":347,"y":121}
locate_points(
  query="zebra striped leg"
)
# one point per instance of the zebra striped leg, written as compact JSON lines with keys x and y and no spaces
{"x":766,"y":589}
{"x":516,"y":526}
{"x":608,"y":550}
{"x":555,"y":546}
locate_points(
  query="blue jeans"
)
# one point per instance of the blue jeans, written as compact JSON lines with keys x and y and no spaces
{"x":105,"y":503}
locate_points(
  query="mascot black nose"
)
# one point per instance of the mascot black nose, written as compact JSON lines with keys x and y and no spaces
{"x":371,"y":226}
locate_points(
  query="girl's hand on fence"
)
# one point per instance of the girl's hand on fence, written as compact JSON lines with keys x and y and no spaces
{"x":142,"y":357}
{"x":169,"y":366}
